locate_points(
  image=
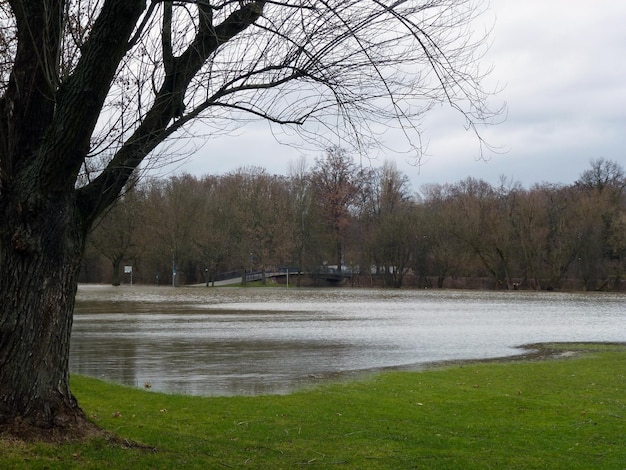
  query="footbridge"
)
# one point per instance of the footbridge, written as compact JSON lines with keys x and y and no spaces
{"x":329,"y":274}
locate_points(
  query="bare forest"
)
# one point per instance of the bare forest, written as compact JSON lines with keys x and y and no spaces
{"x":369,"y":223}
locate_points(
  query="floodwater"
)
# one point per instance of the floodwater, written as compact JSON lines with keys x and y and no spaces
{"x":234,"y":341}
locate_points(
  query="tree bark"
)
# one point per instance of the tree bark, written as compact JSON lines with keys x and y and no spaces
{"x":41,"y":245}
{"x":45,"y":129}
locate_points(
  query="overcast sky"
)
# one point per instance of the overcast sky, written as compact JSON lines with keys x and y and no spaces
{"x":562,"y":65}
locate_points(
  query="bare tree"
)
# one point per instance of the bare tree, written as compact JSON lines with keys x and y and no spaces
{"x":395,"y":243}
{"x":600,"y":209}
{"x":302,"y":215}
{"x":386,"y":217}
{"x":258,"y":207}
{"x":173,"y":209}
{"x":336,"y":181}
{"x":603,"y":175}
{"x":215,"y":226}
{"x":81,"y":79}
{"x":443,"y":222}
{"x":530,"y":230}
{"x":114,"y":235}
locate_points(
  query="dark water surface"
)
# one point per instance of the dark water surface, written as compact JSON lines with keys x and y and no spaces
{"x":234,"y":341}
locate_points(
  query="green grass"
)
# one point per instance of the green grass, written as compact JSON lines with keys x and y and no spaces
{"x":562,"y":413}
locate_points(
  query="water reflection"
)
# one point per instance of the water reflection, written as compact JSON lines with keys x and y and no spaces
{"x":229,"y":341}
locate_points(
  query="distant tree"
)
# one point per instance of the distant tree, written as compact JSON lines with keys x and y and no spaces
{"x":530,"y":232}
{"x":215,"y":240}
{"x":391,"y":188}
{"x":601,"y":204}
{"x":563,"y":237}
{"x":173,"y":210}
{"x":395,"y":243}
{"x":481,"y":226}
{"x":302,"y":213}
{"x":438,"y":237}
{"x":387,"y":214}
{"x":336,"y":181}
{"x":115,"y":234}
{"x":85,"y":78}
{"x":603,"y":174}
{"x":617,"y":246}
{"x":259,"y":206}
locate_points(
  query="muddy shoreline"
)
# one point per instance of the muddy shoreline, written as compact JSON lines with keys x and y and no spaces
{"x":534,"y":352}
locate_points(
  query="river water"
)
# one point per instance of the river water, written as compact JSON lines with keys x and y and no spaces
{"x":234,"y":341}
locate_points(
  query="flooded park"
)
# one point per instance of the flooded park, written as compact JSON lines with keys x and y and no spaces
{"x":249,"y":341}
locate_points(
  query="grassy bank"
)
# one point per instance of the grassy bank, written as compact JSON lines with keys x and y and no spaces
{"x":568,"y":413}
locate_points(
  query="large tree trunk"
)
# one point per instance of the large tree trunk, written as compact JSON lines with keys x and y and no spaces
{"x":115,"y":264}
{"x":41,"y":244}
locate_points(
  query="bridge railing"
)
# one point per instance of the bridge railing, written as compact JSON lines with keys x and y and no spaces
{"x":273,"y":272}
{"x":258,"y":275}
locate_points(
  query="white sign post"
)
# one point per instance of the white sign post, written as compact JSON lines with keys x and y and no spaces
{"x":129,"y":270}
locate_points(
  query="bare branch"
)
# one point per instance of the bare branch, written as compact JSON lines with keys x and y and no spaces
{"x":336,"y":72}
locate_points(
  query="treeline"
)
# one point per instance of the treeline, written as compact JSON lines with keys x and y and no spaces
{"x":367,"y":222}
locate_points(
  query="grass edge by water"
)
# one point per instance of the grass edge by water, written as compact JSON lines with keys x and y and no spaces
{"x":520,"y":412}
